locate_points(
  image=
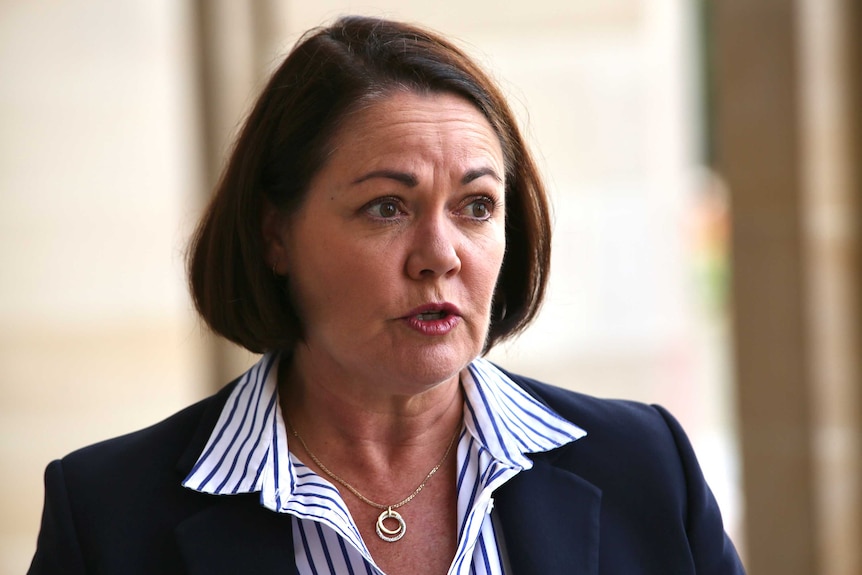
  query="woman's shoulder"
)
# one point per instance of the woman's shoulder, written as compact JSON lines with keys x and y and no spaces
{"x":644,"y":439}
{"x":116,"y":502}
{"x":640,"y":461}
{"x":164,"y":443}
{"x":625,"y":417}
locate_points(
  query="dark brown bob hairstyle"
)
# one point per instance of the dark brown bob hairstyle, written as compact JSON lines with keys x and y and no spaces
{"x":330,"y":73}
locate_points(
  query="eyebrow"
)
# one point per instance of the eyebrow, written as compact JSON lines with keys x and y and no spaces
{"x":478,"y":173}
{"x":411,"y":181}
{"x":408,"y":180}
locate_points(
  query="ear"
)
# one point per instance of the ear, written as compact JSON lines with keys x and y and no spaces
{"x":274,"y":238}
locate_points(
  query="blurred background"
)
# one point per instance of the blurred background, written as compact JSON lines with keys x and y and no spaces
{"x":702,"y":159}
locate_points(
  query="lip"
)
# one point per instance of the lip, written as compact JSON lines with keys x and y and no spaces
{"x":450,"y":318}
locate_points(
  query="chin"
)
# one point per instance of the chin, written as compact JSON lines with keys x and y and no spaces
{"x":432,"y":366}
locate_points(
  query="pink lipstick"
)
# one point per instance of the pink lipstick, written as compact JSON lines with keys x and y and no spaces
{"x":433,"y":318}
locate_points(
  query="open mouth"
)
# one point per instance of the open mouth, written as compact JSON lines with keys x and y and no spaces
{"x":433,"y":312}
{"x":434,"y":318}
{"x":432,"y":315}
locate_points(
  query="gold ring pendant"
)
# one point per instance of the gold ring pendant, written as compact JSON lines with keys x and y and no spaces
{"x":391,"y":534}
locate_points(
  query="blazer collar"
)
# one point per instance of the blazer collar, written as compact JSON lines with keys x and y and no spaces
{"x":209,"y":417}
{"x":550,"y":520}
{"x":233,"y":533}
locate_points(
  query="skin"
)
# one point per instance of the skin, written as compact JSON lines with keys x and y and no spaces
{"x":408,"y":210}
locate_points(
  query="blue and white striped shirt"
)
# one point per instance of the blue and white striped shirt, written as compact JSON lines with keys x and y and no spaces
{"x":247,"y":452}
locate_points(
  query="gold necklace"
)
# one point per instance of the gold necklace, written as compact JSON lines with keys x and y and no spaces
{"x":383,"y":532}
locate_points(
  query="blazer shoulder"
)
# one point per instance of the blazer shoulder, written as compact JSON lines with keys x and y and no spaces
{"x":625,"y":440}
{"x":643,"y":462}
{"x":623,"y":417}
{"x":111,"y":507}
{"x":178,"y":437}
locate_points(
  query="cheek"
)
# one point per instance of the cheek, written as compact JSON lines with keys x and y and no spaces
{"x":334,"y":277}
{"x":486,"y":262}
{"x":313,"y":279}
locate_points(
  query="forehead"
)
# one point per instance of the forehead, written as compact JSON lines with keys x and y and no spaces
{"x":402,"y":123}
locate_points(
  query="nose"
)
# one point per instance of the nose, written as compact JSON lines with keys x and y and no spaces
{"x":433,"y":251}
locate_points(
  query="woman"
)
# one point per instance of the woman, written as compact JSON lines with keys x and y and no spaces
{"x":380,"y":225}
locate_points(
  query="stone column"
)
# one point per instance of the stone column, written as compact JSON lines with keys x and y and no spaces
{"x":829,"y":49}
{"x":235,"y":49}
{"x":785,"y":76}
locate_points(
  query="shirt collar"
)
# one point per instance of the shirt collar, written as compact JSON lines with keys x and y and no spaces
{"x":508,"y":421}
{"x":247,"y":450}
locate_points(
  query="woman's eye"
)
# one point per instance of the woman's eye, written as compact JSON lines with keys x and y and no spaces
{"x":384,"y":209}
{"x":479,"y":209}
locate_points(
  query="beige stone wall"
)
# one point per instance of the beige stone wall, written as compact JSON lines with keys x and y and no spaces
{"x":98,"y":182}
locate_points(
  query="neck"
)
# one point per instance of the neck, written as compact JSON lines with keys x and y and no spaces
{"x":374,"y":431}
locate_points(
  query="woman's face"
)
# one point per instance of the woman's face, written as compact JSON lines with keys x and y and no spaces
{"x":393,"y":257}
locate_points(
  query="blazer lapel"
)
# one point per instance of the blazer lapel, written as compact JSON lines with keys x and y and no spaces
{"x":236,"y":535}
{"x":550,"y":520}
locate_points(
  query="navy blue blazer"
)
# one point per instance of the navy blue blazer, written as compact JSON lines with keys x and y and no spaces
{"x":628,"y":498}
